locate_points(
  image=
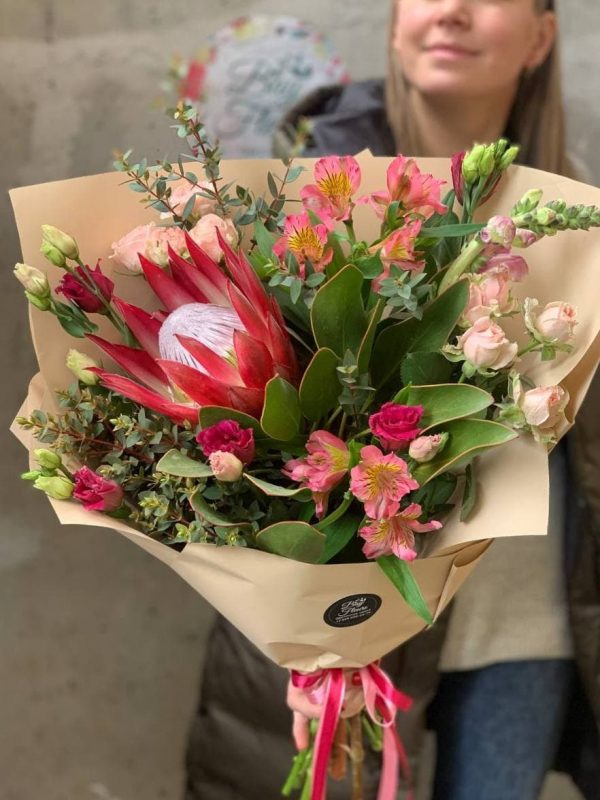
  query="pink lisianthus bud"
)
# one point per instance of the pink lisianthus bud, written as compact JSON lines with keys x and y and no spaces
{"x":489,"y":296}
{"x":485,"y":345}
{"x":95,"y":492}
{"x":395,"y":424}
{"x":225,"y":466}
{"x":380,"y":481}
{"x":396,"y":535}
{"x":499,"y":230}
{"x":323,"y":468}
{"x":425,"y":448}
{"x":74,"y":286}
{"x":227,"y":436}
{"x":556,"y":322}
{"x":204,"y":233}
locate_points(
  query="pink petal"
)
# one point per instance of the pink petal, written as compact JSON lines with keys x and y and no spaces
{"x":178,"y":412}
{"x":137,"y":362}
{"x":144,"y":326}
{"x":212,"y":281}
{"x":164,"y":287}
{"x":254,"y":360}
{"x":214,"y":364}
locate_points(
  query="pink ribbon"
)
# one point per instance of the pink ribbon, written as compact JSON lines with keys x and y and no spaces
{"x":382,"y":701}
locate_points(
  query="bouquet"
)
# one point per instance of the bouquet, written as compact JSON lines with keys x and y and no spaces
{"x":314,"y":398}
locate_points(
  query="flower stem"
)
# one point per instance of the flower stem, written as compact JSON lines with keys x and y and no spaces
{"x":528,"y":349}
{"x":335,"y":515}
{"x":461,"y":265}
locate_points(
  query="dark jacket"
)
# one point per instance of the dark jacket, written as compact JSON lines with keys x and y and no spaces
{"x":240,"y":745}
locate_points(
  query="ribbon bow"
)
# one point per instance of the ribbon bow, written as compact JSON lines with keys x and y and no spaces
{"x":382,"y":701}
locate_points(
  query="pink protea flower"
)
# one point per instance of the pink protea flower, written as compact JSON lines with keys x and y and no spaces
{"x":380,"y":482}
{"x":306,"y":241}
{"x":218,"y":339}
{"x":396,"y":535}
{"x":323,"y":468}
{"x":227,"y":436}
{"x":95,"y":492}
{"x":417,"y":192}
{"x":337,"y":178}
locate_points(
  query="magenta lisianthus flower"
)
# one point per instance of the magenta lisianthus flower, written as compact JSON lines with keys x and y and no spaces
{"x":323,"y":468}
{"x":395,"y":424}
{"x":75,"y":287}
{"x":307,"y":242}
{"x":396,"y":535}
{"x":227,"y":436}
{"x":417,"y":192}
{"x":95,"y":492}
{"x":337,"y":178}
{"x":380,"y":481}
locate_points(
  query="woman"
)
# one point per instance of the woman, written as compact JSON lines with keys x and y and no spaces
{"x":460,"y":71}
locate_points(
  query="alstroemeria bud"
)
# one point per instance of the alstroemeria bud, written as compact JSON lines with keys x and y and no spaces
{"x":34,"y":280}
{"x":61,"y":241}
{"x":58,"y":487}
{"x":225,"y":466}
{"x":80,"y":366}
{"x":499,"y":230}
{"x":47,"y":459}
{"x":53,"y":255}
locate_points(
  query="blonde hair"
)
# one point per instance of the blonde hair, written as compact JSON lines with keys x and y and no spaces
{"x":536,"y":121}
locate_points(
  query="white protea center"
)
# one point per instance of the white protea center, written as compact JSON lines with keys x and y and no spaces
{"x":211,"y":325}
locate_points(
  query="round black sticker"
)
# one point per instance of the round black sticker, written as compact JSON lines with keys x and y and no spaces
{"x":352,"y":610}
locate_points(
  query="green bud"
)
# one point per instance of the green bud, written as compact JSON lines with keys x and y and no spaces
{"x":80,"y":364}
{"x":529,"y":202}
{"x":33,"y":279}
{"x":43,"y":303}
{"x":32,"y":475}
{"x":470,"y":166}
{"x":545,"y":216}
{"x":53,"y":255}
{"x":509,"y":157}
{"x":61,"y":241}
{"x":47,"y":458}
{"x":57,"y":487}
{"x":488,"y":161}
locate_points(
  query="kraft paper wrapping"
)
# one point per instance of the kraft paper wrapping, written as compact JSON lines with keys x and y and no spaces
{"x":279,"y":603}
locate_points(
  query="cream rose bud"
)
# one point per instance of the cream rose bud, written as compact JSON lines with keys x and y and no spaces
{"x":557,"y":321}
{"x":544,"y":406}
{"x":204,"y":233}
{"x":485,"y":345}
{"x":424,"y":448}
{"x":225,"y":466}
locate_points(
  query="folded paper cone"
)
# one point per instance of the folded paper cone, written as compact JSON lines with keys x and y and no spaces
{"x":304,"y":616}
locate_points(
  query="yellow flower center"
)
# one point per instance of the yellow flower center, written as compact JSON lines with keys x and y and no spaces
{"x":381,"y":479}
{"x":305,"y":242}
{"x":336,"y":186}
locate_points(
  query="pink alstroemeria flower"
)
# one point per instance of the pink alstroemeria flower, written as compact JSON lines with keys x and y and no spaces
{"x":306,"y":241}
{"x":380,"y":482}
{"x":337,"y":178}
{"x":417,"y":192}
{"x":396,"y":535}
{"x":323,"y":468}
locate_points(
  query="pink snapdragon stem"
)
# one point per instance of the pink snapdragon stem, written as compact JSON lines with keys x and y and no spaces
{"x":382,"y":701}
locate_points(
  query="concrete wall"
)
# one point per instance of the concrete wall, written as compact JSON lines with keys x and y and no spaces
{"x":101,"y":645}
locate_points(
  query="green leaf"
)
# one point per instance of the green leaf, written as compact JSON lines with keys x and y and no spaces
{"x":400,"y":574}
{"x":427,"y":334}
{"x":449,"y":231}
{"x":420,"y":368}
{"x":281,"y":412}
{"x":366,"y":346}
{"x":210,"y":415}
{"x":264,"y":240}
{"x":469,"y":498}
{"x":337,"y":316}
{"x":446,"y":401}
{"x":320,"y":387}
{"x":176,"y":463}
{"x":211,"y":516}
{"x":338,"y":535}
{"x":272,"y":490}
{"x":272,"y":185}
{"x":468,"y":438}
{"x":296,"y":540}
